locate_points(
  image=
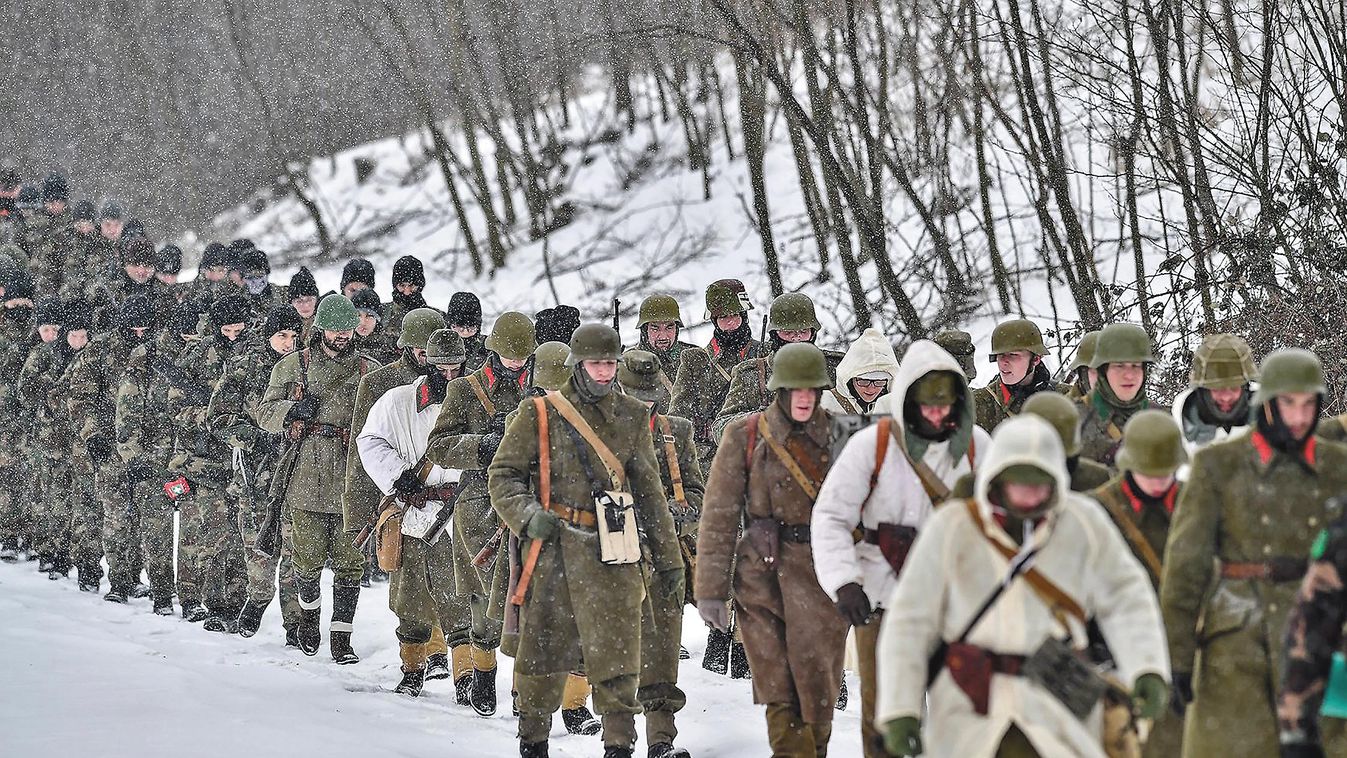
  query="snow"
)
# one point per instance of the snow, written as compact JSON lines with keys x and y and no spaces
{"x":90,"y":678}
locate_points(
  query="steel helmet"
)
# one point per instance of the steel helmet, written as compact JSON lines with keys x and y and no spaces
{"x":799,"y":365}
{"x":1223,"y":362}
{"x":1018,"y":335}
{"x":791,"y":312}
{"x":418,"y":326}
{"x":336,"y":313}
{"x":512,"y":336}
{"x":1122,"y":343}
{"x":1152,"y":445}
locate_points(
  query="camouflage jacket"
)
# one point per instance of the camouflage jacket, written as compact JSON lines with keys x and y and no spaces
{"x":145,"y":431}
{"x":49,"y":240}
{"x":1313,"y":635}
{"x":700,"y":386}
{"x":95,"y":376}
{"x":15,"y":344}
{"x":78,"y":270}
{"x":232,"y":415}
{"x":748,"y":391}
{"x":42,"y":395}
{"x":198,"y":452}
{"x":107,"y":296}
{"x":996,"y":403}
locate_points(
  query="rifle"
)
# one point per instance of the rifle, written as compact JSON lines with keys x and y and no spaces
{"x":423,"y":469}
{"x":762,"y":337}
{"x":617,"y":321}
{"x":367,"y":531}
{"x":488,"y":552}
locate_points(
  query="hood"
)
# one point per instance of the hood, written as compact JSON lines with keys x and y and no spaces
{"x":921,"y":358}
{"x":871,"y":352}
{"x":1023,"y":439}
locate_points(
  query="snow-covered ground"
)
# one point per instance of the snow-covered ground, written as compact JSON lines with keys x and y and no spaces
{"x":87,"y":678}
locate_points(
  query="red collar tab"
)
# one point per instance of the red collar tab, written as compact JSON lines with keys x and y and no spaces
{"x":423,"y":397}
{"x":1170,"y":499}
{"x":490,"y":375}
{"x":1005,"y":394}
{"x":1261,"y":446}
{"x":1311,"y":448}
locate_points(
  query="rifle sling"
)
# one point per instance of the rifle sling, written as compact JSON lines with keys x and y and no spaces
{"x":1053,"y":596}
{"x":671,"y":454}
{"x":807,"y":484}
{"x":1133,"y":534}
{"x":480,"y":391}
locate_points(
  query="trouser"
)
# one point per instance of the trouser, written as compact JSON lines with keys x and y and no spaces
{"x":790,"y":736}
{"x":320,"y":539}
{"x":86,"y":529}
{"x":541,"y":695}
{"x":658,"y":691}
{"x":121,"y":526}
{"x":13,"y":503}
{"x":190,"y":569}
{"x":155,"y":513}
{"x":55,"y":512}
{"x":224,"y":582}
{"x":867,"y":642}
{"x":263,"y":570}
{"x":486,"y":631}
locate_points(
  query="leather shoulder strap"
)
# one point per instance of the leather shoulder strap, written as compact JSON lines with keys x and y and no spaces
{"x":1052,"y":596}
{"x":616,"y":471}
{"x":1133,"y":534}
{"x":544,"y":456}
{"x":809,"y":486}
{"x":935,"y":488}
{"x":884,"y":433}
{"x":843,"y":401}
{"x":725,"y":374}
{"x":671,"y":454}
{"x":480,"y":392}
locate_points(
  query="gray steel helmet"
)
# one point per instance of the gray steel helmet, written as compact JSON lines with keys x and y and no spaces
{"x":1017,"y":335}
{"x":418,"y":326}
{"x":336,"y":313}
{"x":1057,"y":410}
{"x":659,"y":308}
{"x":594,"y":342}
{"x":1152,"y":445}
{"x":512,"y":336}
{"x":445,"y":347}
{"x":799,"y":365}
{"x":1290,"y":369}
{"x":791,"y":312}
{"x":726,"y":297}
{"x":1223,"y":362}
{"x":1122,"y":343}
{"x":551,"y":369}
{"x":1085,"y":351}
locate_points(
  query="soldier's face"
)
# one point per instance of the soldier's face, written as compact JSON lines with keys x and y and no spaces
{"x":1126,"y":379}
{"x":77,"y":339}
{"x":55,"y":207}
{"x":1092,"y":376}
{"x":1025,"y":498}
{"x":1014,"y":366}
{"x":407,"y":288}
{"x":418,"y":355}
{"x":512,"y":364}
{"x":730,"y":323}
{"x":661,"y":334}
{"x":167,"y":278}
{"x":283,"y":342}
{"x":111,"y":228}
{"x":84,"y":227}
{"x":449,"y":370}
{"x":140,"y":331}
{"x":464,"y":331}
{"x":795,"y":335}
{"x":353,"y":287}
{"x":139,"y":273}
{"x":231,"y":332}
{"x":338,"y":341}
{"x":305,"y":306}
{"x":1153,"y":486}
{"x":1226,"y":400}
{"x":215,"y":273}
{"x":869,"y":390}
{"x":602,"y":372}
{"x":368,"y":323}
{"x":49,"y":332}
{"x":802,"y":404}
{"x":935,"y":415}
{"x":1298,"y":411}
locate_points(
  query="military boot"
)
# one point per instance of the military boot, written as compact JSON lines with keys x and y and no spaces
{"x":437,"y":666}
{"x":89,"y":579}
{"x":163,"y":604}
{"x":194,"y":611}
{"x":221,"y":624}
{"x":667,"y":750}
{"x":139,"y":590}
{"x":460,"y":657}
{"x":616,"y":751}
{"x":116,"y":595}
{"x":45,"y":564}
{"x":787,"y":733}
{"x":483,"y":696}
{"x":344,"y":599}
{"x":412,"y":683}
{"x":292,"y":636}
{"x":309,"y":635}
{"x":250,"y":617}
{"x":580,"y":721}
{"x":716,"y":658}
{"x":739,"y":662}
{"x":533,"y":749}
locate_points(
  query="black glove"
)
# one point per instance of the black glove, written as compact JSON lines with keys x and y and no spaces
{"x":853,"y":604}
{"x":486,"y":449}
{"x":1302,"y":750}
{"x":497,"y":424}
{"x":1182,"y":683}
{"x":138,"y":471}
{"x":408,"y":483}
{"x":435,"y":385}
{"x":304,"y":410}
{"x":100,"y":449}
{"x":683,"y":514}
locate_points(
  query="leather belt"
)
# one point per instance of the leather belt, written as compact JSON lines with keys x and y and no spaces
{"x":797,"y":533}
{"x":1277,"y":569}
{"x":331,"y":431}
{"x":441,"y":494}
{"x":575,"y":516}
{"x":1001,"y":663}
{"x":873,"y":536}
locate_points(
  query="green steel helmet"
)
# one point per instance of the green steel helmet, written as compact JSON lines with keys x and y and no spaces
{"x":550,"y":367}
{"x":959,"y":344}
{"x":638,"y":373}
{"x":792,"y":312}
{"x":1056,"y":409}
{"x":1122,"y":343}
{"x":512,"y":336}
{"x":1152,"y":445}
{"x":444,"y":347}
{"x":594,"y":342}
{"x":1085,"y":351}
{"x":1290,"y":369}
{"x":336,"y":313}
{"x":799,"y":365}
{"x":1018,"y":335}
{"x":418,"y":326}
{"x":936,"y":388}
{"x":659,"y":308}
{"x":727,"y":297}
{"x":1223,"y":362}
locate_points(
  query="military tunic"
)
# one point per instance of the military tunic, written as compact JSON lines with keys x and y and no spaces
{"x":700,"y":386}
{"x":1102,"y":424}
{"x":996,"y":403}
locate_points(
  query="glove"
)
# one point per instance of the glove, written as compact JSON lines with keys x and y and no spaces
{"x":100,"y":450}
{"x":1182,"y":692}
{"x":541,"y":525}
{"x":436,"y":385}
{"x":716,"y":614}
{"x":669,"y":584}
{"x":487,"y":447}
{"x":408,"y":483}
{"x":304,"y":410}
{"x":902,"y":736}
{"x":683,"y":515}
{"x":853,"y":604}
{"x":138,"y":471}
{"x":498,"y":424}
{"x":1150,"y":695}
{"x":1302,"y":750}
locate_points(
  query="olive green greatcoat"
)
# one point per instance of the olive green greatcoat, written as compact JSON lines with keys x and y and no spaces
{"x":454,"y":443}
{"x":748,"y":391}
{"x":360,"y":499}
{"x":580,"y":614}
{"x":700,"y":386}
{"x":1244,"y":502}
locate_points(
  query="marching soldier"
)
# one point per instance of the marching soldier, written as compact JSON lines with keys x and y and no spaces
{"x":464,"y":315}
{"x":303,"y":292}
{"x":212,"y":278}
{"x":575,"y":462}
{"x":1216,"y":405}
{"x":1017,"y":351}
{"x":864,"y":375}
{"x":32,"y":404}
{"x":995,"y":616}
{"x":662,"y":617}
{"x":767,"y":473}
{"x":469,"y":430}
{"x":1122,"y":360}
{"x":1236,"y":551}
{"x":16,"y":328}
{"x":311,"y":397}
{"x":1083,"y":378}
{"x":409,"y":279}
{"x":356,"y":275}
{"x":660,"y":321}
{"x":49,"y":235}
{"x":370,"y":336}
{"x":392,"y":444}
{"x":254,"y":270}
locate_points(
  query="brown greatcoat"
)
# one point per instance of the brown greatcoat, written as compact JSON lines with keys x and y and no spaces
{"x":793,"y":634}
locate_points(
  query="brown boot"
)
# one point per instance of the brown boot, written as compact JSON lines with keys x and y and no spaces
{"x":787,"y":734}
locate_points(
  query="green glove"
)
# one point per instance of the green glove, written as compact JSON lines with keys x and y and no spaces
{"x":903,"y":736}
{"x":1150,"y":695}
{"x":669,"y":584}
{"x":541,"y":525}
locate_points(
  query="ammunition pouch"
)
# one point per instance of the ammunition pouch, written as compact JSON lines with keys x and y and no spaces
{"x":894,"y":541}
{"x":388,"y":538}
{"x":971,"y":667}
{"x":1066,"y":676}
{"x":619,"y":539}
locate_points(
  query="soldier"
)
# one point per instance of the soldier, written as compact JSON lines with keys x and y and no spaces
{"x":1085,"y":475}
{"x":1216,"y":405}
{"x":205,"y":460}
{"x":1236,"y":550}
{"x":105,"y":256}
{"x":145,"y":437}
{"x":356,"y":275}
{"x":167,"y":266}
{"x":890,"y":494}
{"x":982,"y":702}
{"x":662,"y":617}
{"x":80,"y":263}
{"x":47,"y":320}
{"x":95,"y":378}
{"x":959,"y":344}
{"x":370,"y":336}
{"x":1017,"y":351}
{"x":409,"y":279}
{"x":16,"y":326}
{"x":232,"y":414}
{"x":361,"y":497}
{"x":791,"y":319}
{"x":212,"y":278}
{"x":304,"y":297}
{"x":864,"y":376}
{"x":49,"y":235}
{"x":580,"y":608}
{"x":392,"y":447}
{"x":767,"y":473}
{"x":703,"y":376}
{"x":311,"y":397}
{"x":660,"y":321}
{"x":1313,"y":641}
{"x":1141,"y":500}
{"x":1083,"y":378}
{"x":1122,"y":359}
{"x":134,"y":278}
{"x":467,"y":433}
{"x":464,"y":315}
{"x":254,"y":271}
